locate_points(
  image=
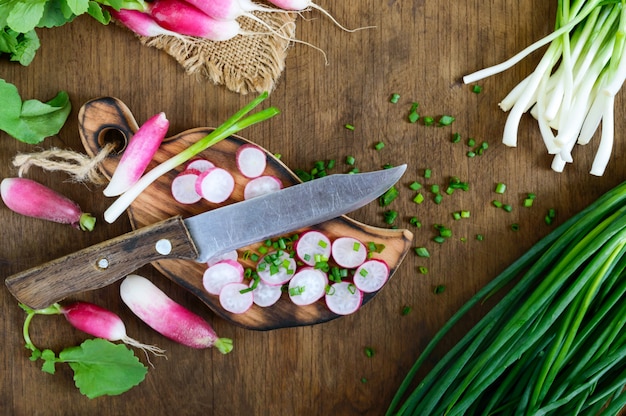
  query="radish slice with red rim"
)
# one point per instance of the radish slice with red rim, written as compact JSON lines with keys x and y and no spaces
{"x":230,"y":255}
{"x":343,"y":298}
{"x":199,"y":164}
{"x":265,"y":295}
{"x":251,"y":160}
{"x":276,"y":268}
{"x":221,"y":274}
{"x":184,"y":187}
{"x":261,"y":186}
{"x":215,"y":185}
{"x":313,"y":245}
{"x":307,"y":286}
{"x":236,"y":298}
{"x":371,"y":275}
{"x":348,"y":252}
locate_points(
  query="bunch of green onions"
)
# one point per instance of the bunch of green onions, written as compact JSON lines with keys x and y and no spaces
{"x":572,"y":90}
{"x":555,"y":344}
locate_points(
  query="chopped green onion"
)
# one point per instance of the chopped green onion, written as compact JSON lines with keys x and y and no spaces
{"x":419,"y":198}
{"x":349,"y":126}
{"x":456,"y":215}
{"x":379,"y":145}
{"x":438,"y":198}
{"x":439,"y":289}
{"x":386,"y":198}
{"x":422,"y":252}
{"x":427,"y":173}
{"x":406,"y":310}
{"x":471,"y":154}
{"x":350,"y":160}
{"x":507,"y":207}
{"x":515,"y":227}
{"x":395,"y":97}
{"x":414,"y":221}
{"x":477,"y":89}
{"x":434,"y":189}
{"x":456,"y":138}
{"x":369,"y":351}
{"x":497,"y":203}
{"x":500,"y":188}
{"x":363,"y":272}
{"x":390,"y":216}
{"x":428,"y":121}
{"x":296,"y":290}
{"x":480,"y":237}
{"x":445,"y":120}
{"x":413,"y":114}
{"x":356,"y":246}
{"x":415,"y":186}
{"x":423,"y":270}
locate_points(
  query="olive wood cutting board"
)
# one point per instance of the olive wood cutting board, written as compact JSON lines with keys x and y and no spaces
{"x":107,"y":119}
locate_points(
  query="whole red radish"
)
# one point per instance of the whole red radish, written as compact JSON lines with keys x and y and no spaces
{"x":30,"y":198}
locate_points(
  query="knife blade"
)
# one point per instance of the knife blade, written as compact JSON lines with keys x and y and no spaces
{"x":202,"y":236}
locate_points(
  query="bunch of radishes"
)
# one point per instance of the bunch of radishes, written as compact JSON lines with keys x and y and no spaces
{"x":216,"y":20}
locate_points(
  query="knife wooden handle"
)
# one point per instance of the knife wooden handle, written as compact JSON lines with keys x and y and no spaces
{"x":102,"y":264}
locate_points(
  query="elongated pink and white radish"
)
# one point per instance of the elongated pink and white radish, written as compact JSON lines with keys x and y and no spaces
{"x":215,"y":185}
{"x":181,"y":17}
{"x":102,"y":323}
{"x":371,"y":275}
{"x":262,"y":185}
{"x":183,"y":187}
{"x":138,"y":154}
{"x":221,"y":274}
{"x":236,"y":298}
{"x":140,"y":23}
{"x":30,"y":198}
{"x":312,"y":247}
{"x":169,"y":318}
{"x":229,"y":255}
{"x":231,"y":9}
{"x":343,"y":298}
{"x":307,"y":286}
{"x":251,"y":160}
{"x":348,"y":252}
{"x":276,"y":268}
{"x":199,"y":164}
{"x":265,"y":295}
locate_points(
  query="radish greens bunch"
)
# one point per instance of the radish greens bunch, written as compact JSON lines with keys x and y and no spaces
{"x":572,"y":90}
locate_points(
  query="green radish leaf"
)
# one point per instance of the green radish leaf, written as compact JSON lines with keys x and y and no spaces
{"x":49,"y":360}
{"x":56,"y":13}
{"x":101,"y":15}
{"x":103,"y":368}
{"x":78,"y":7}
{"x":24,"y":16}
{"x":31,"y":121}
{"x":25,"y":48}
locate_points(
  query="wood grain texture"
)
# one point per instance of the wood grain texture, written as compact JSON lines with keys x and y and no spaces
{"x":105,"y":117}
{"x":419,"y":49}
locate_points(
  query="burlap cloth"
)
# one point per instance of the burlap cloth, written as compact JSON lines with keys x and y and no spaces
{"x":247,"y":63}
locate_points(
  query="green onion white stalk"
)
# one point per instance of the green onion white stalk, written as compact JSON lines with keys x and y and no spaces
{"x":230,"y":127}
{"x":572,"y":90}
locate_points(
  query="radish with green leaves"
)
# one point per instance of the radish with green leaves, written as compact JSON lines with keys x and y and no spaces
{"x":138,"y":154}
{"x":32,"y":199}
{"x":167,"y":317}
{"x":233,"y":125}
{"x":97,"y":321}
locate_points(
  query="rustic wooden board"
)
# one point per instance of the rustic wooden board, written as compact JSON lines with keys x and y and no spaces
{"x":419,"y":49}
{"x":108,"y":119}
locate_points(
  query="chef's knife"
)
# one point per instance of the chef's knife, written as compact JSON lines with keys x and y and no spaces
{"x":202,"y":236}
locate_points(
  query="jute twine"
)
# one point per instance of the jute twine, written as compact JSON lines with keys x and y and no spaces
{"x":251,"y":62}
{"x":80,"y":167}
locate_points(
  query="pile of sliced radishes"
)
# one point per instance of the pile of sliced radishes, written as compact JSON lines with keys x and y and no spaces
{"x":202,"y":179}
{"x":300,"y":270}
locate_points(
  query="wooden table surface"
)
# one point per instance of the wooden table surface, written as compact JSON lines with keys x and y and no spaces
{"x":419,"y":49}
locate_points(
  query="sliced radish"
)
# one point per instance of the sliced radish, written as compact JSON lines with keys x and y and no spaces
{"x":261,"y":186}
{"x":184,"y":187}
{"x":307,"y":286}
{"x":199,"y":164}
{"x":233,"y":300}
{"x":276,"y":268}
{"x":266,"y":295}
{"x":230,"y":255}
{"x":313,"y":246}
{"x":215,"y":184}
{"x":221,"y":274}
{"x":348,"y":252}
{"x":343,"y":298}
{"x":251,"y":160}
{"x":371,"y":275}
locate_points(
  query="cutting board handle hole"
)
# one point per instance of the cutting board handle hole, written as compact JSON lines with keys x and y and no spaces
{"x":110,"y":135}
